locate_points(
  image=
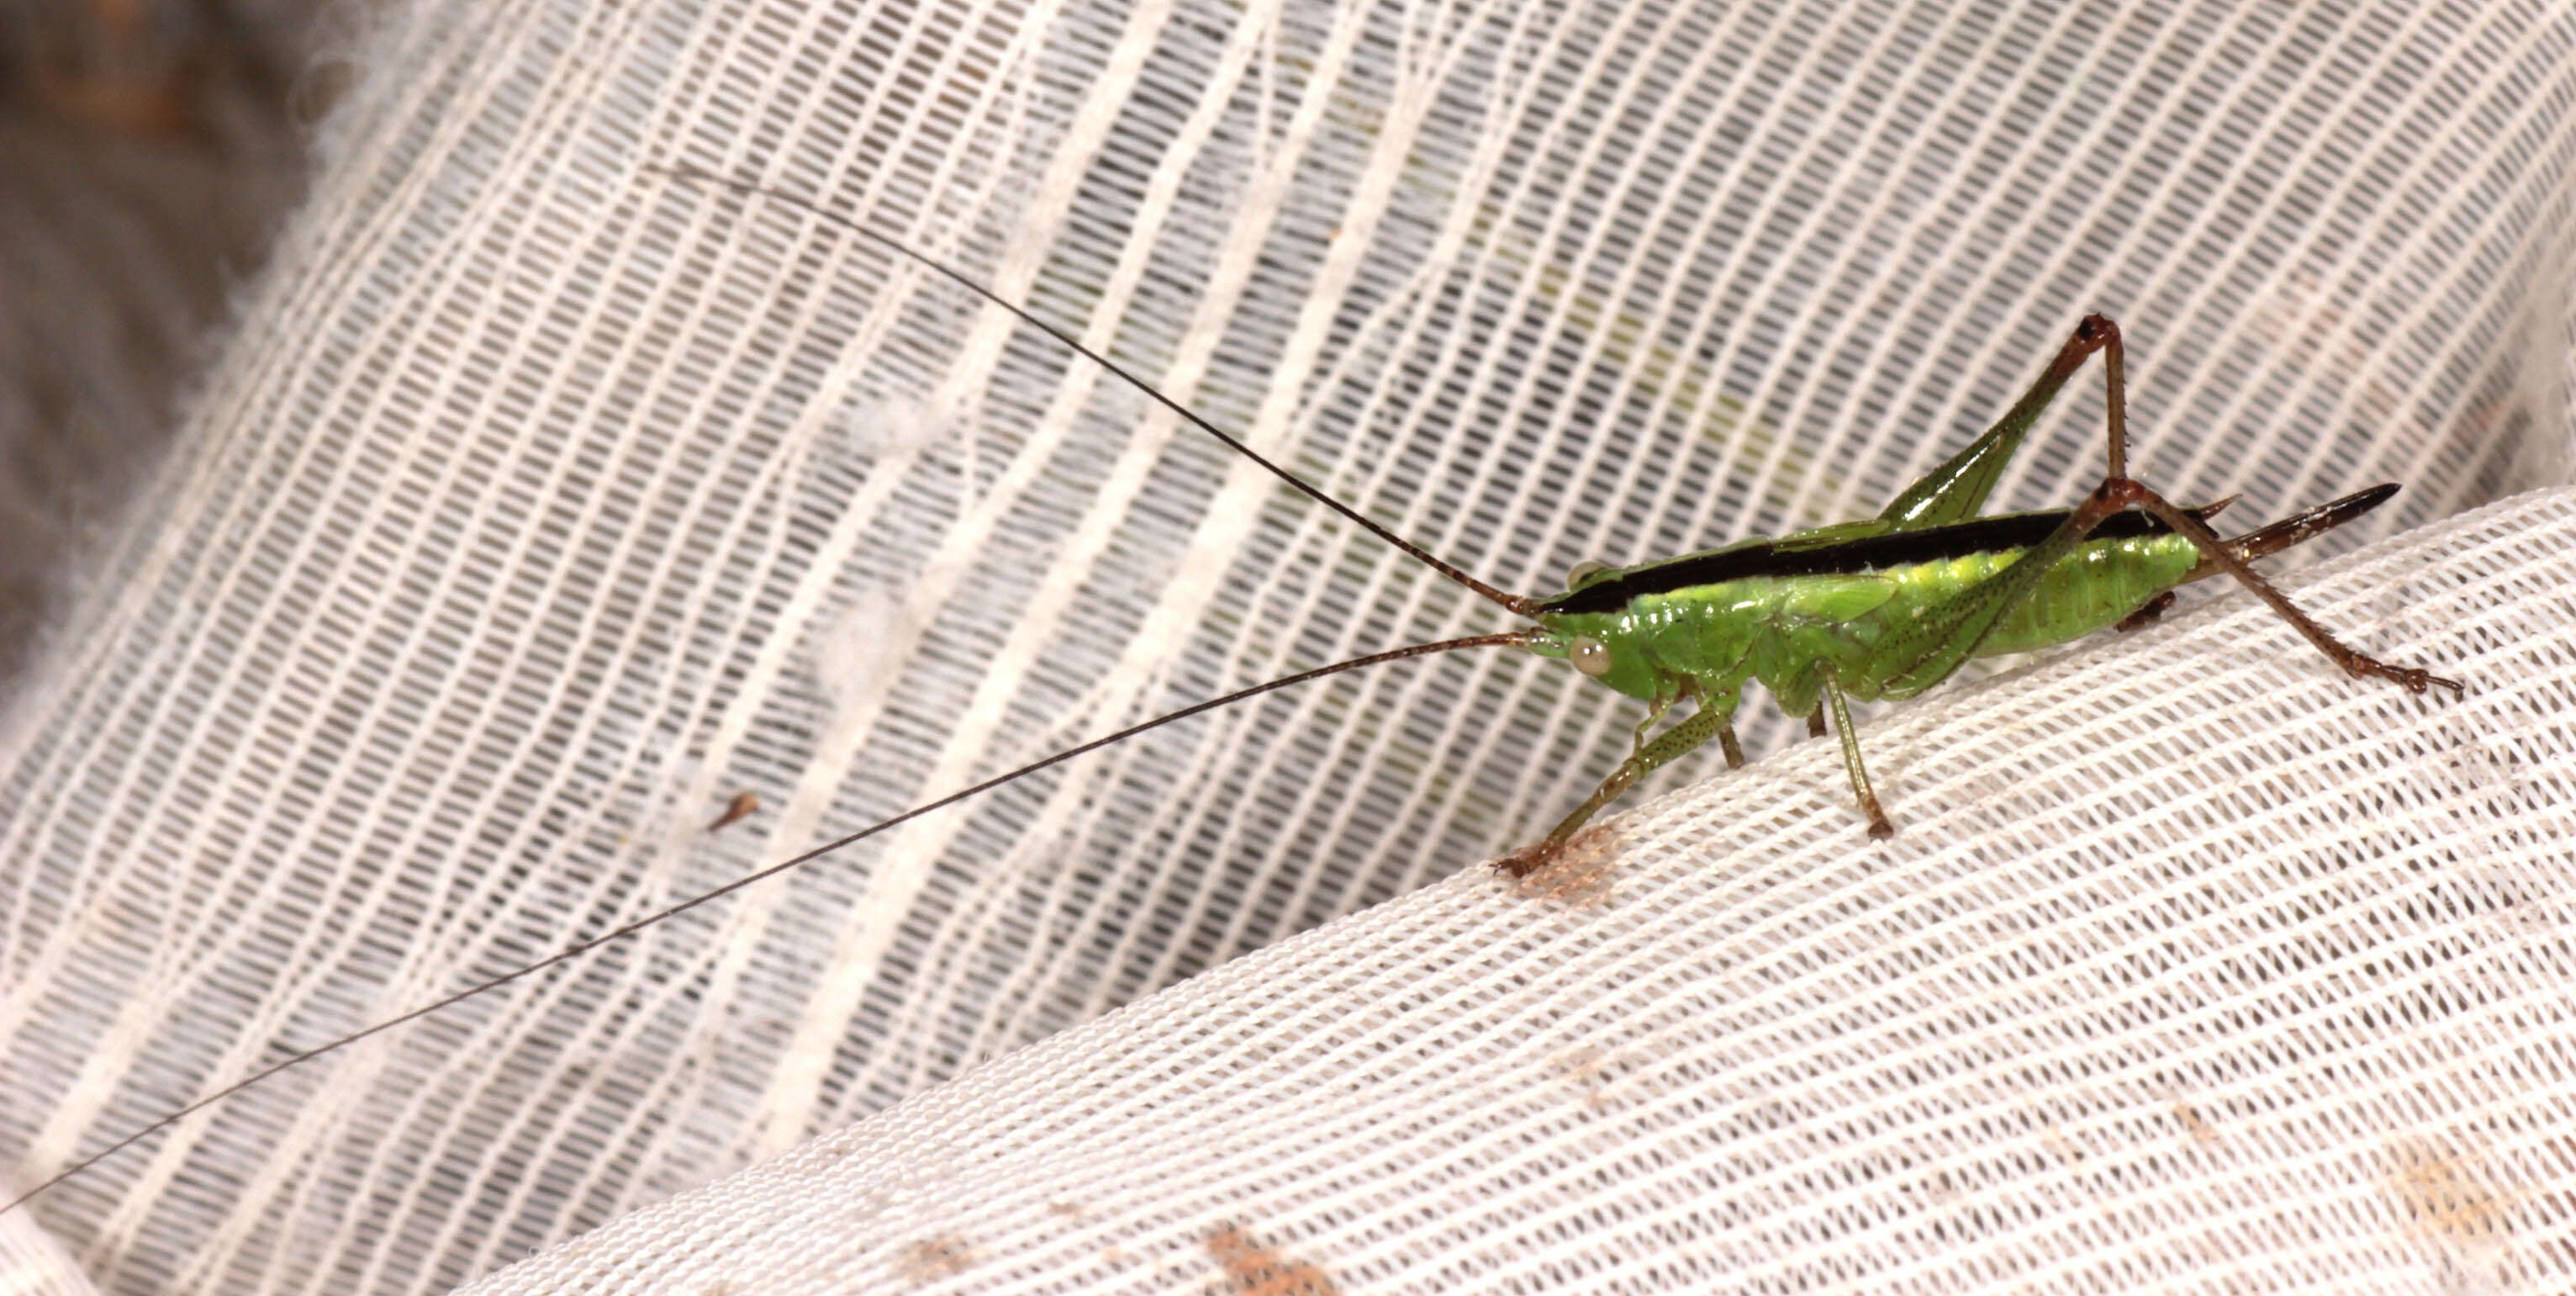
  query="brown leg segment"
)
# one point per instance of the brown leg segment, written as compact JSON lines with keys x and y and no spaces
{"x":2121,"y":491}
{"x":2147,"y":613}
{"x":2358,"y":664}
{"x":1734,"y":749}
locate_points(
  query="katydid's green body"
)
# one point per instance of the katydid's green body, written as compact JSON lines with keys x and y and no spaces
{"x":1881,"y":608}
{"x":1784,"y":632}
{"x":1891,"y":606}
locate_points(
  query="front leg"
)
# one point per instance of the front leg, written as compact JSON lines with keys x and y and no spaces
{"x":1707,"y":721}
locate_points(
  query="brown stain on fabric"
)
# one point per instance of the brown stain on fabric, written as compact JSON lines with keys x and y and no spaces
{"x":941,"y":1257}
{"x":1578,"y":877}
{"x":2449,"y":1195}
{"x":2200,"y":1130}
{"x":1260,"y":1271}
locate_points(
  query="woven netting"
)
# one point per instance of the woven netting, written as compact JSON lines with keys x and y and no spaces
{"x":543,"y":506}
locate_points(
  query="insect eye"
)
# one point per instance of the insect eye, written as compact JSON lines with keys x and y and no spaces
{"x":1589,"y":655}
{"x":1581,"y":574}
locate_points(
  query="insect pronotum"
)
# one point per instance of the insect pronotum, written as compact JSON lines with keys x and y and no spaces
{"x":1881,"y":608}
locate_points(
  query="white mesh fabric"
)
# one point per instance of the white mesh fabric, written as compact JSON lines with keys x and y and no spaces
{"x":544,"y":503}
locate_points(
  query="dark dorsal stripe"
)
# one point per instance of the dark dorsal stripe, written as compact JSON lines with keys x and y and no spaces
{"x":1843,"y":558}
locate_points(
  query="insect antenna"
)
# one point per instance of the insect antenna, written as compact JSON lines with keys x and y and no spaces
{"x":1507,"y":639}
{"x":1515,"y":603}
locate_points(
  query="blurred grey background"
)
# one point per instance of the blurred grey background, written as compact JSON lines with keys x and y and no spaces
{"x":149,"y":150}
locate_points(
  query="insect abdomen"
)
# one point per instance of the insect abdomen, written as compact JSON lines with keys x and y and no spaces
{"x":2090,"y":590}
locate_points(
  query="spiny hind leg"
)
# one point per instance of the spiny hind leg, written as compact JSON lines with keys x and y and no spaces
{"x":1956,"y":491}
{"x":1927,"y":650}
{"x":1644,"y":758}
{"x":2356,"y":663}
{"x":2119,"y":491}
